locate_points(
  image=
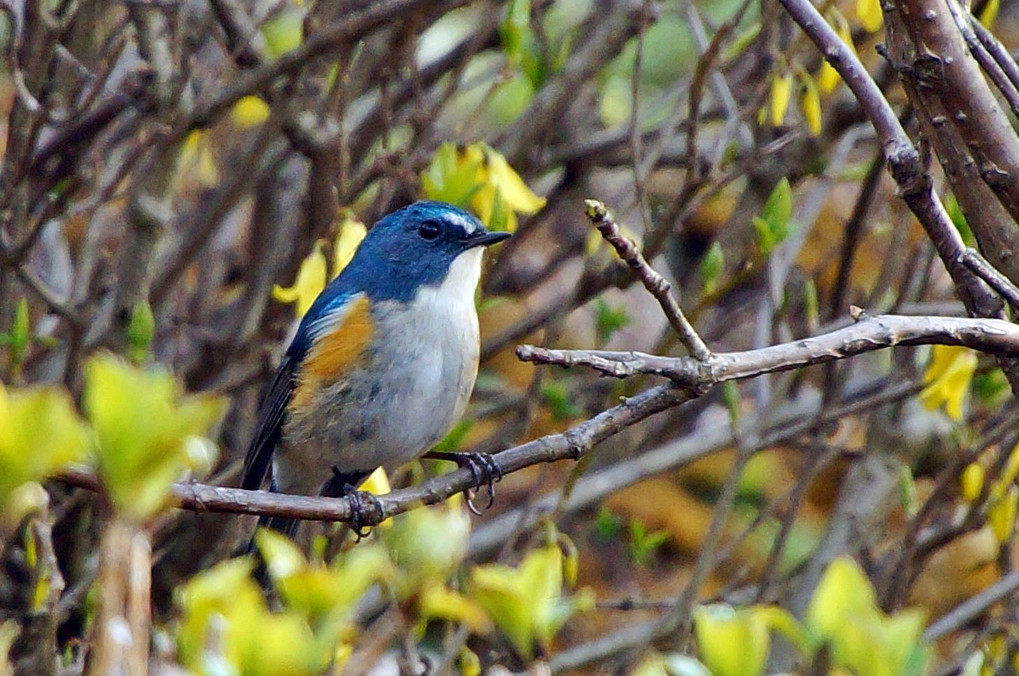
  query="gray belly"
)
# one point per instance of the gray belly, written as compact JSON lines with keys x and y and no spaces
{"x":403,"y":400}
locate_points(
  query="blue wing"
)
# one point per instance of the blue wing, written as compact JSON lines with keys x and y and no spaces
{"x":272,"y":414}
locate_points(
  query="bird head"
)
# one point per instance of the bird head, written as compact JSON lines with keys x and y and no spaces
{"x":425,"y":244}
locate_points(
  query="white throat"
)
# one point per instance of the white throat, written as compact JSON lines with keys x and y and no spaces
{"x":456,"y":292}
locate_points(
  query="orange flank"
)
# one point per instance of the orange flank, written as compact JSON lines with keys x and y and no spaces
{"x":335,"y":351}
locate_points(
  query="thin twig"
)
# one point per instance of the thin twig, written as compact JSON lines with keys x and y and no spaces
{"x":659,"y":287}
{"x":972,"y":259}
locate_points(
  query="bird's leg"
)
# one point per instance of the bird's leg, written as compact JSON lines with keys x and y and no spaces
{"x":363,"y":505}
{"x":484,"y":469}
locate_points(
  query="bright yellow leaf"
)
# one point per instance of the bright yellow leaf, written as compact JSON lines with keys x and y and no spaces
{"x":479,"y":177}
{"x":1001,"y":514}
{"x":971,"y":482}
{"x":810,"y":103}
{"x":250,"y":111}
{"x":1011,"y":470}
{"x":196,"y":159}
{"x":828,"y":78}
{"x":781,"y":92}
{"x":990,"y":13}
{"x":948,"y":378}
{"x":311,"y":279}
{"x":348,"y":238}
{"x":517,"y":196}
{"x":868,"y":13}
{"x":377,"y":482}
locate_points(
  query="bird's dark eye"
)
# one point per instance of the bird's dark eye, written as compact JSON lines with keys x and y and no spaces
{"x":428,"y":229}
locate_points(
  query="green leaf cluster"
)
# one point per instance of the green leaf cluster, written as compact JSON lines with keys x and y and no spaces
{"x":644,"y":543}
{"x":609,"y":319}
{"x":843,"y":617}
{"x":40,"y":433}
{"x":226,"y":625}
{"x":140,"y":429}
{"x":526,"y":602}
{"x":559,"y":400}
{"x":478,"y":177}
{"x":536,"y":59}
{"x":147,"y":432}
{"x":19,"y":337}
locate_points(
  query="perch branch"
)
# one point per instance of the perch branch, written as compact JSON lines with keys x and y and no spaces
{"x":573,"y":444}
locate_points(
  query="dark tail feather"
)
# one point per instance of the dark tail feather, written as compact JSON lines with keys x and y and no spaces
{"x":279,"y":524}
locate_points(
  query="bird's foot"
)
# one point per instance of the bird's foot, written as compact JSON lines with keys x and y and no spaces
{"x":484,"y":469}
{"x":364,"y":508}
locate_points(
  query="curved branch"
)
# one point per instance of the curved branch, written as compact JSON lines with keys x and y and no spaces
{"x":572,"y":444}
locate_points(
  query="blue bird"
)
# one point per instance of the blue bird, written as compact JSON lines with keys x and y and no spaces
{"x":383,"y":363}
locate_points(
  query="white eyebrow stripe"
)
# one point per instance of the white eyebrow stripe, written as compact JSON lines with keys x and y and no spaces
{"x":468,"y":224}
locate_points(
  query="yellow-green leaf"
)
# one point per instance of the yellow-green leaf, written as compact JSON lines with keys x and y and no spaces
{"x":429,"y":543}
{"x":526,"y":602}
{"x":1001,"y":514}
{"x":990,"y":13}
{"x":284,"y":32}
{"x":732,"y":642}
{"x":439,"y":602}
{"x":453,"y":176}
{"x":8,"y":634}
{"x":40,"y":432}
{"x":843,"y":592}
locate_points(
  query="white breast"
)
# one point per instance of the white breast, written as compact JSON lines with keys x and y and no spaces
{"x":437,"y":347}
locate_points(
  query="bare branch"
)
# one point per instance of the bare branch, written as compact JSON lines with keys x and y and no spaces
{"x":971,"y":608}
{"x":870,"y":333}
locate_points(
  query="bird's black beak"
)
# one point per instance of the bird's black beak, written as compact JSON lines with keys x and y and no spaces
{"x":486,"y":238}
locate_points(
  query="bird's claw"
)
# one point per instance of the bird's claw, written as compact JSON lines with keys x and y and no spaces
{"x":484,"y":470}
{"x":364,"y":506}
